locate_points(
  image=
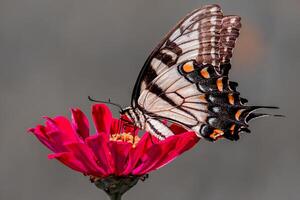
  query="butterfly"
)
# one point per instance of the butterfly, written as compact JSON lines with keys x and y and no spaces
{"x":185,"y":80}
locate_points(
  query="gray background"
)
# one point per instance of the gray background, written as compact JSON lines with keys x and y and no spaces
{"x":55,"y":53}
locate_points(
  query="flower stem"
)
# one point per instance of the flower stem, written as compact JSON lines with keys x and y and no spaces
{"x":116,"y":186}
{"x":115,"y":196}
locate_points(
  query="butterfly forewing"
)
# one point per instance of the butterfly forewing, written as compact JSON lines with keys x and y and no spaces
{"x":231,"y":26}
{"x":185,"y":79}
{"x":195,"y":37}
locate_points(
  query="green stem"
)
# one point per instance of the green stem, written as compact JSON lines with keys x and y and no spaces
{"x":116,"y":186}
{"x":115,"y":196}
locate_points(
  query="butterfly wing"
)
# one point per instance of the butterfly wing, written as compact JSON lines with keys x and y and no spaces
{"x":195,"y":37}
{"x":198,"y":98}
{"x":185,"y":79}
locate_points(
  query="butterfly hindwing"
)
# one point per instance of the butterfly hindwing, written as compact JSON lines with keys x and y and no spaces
{"x":198,"y":98}
{"x":166,"y":97}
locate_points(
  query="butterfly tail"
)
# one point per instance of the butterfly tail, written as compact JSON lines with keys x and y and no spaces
{"x":230,"y":121}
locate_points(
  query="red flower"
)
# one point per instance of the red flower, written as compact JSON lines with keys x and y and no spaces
{"x":109,"y":152}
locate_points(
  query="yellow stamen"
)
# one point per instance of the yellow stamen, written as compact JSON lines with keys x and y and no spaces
{"x":125,"y":137}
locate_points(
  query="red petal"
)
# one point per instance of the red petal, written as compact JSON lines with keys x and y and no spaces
{"x":119,"y":152}
{"x":154,"y":154}
{"x":148,"y":160}
{"x":57,"y":141}
{"x":102,"y":118}
{"x":69,"y":160}
{"x":85,"y":155}
{"x":40,"y":132}
{"x":99,"y":145}
{"x":150,"y":140}
{"x":115,"y":126}
{"x":136,"y":153}
{"x":169,"y":148}
{"x":177,"y":129}
{"x":128,"y":125}
{"x":184,"y":142}
{"x":80,"y":123}
{"x":123,"y":126}
{"x":62,"y":125}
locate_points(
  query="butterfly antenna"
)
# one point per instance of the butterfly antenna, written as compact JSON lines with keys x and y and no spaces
{"x":279,"y":116}
{"x":106,"y":102}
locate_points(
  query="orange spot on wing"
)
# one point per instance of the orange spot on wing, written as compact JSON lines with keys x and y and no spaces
{"x":188,"y":68}
{"x":238,"y":114}
{"x":220,"y":84}
{"x":216,"y":134}
{"x":231,"y":99}
{"x":202,"y":98}
{"x":204,"y":73}
{"x":232,"y":129}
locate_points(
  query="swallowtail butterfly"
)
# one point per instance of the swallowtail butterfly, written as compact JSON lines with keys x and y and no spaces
{"x":185,"y":80}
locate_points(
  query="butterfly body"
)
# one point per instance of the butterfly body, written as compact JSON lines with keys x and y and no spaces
{"x":185,"y":80}
{"x":148,"y":123}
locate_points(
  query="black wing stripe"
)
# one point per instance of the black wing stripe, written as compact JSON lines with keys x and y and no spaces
{"x":151,"y":73}
{"x":160,"y":93}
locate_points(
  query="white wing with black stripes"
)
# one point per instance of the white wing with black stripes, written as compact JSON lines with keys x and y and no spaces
{"x":194,"y":37}
{"x":185,"y":79}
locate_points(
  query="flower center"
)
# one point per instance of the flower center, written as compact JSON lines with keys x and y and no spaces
{"x":125,"y":137}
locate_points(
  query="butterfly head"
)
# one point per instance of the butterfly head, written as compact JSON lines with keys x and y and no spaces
{"x":124,"y":111}
{"x":129,"y":113}
{"x":135,"y":116}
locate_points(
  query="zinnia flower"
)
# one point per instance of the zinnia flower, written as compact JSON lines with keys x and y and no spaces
{"x":114,"y":158}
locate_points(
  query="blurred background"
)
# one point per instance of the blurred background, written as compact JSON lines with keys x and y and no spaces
{"x":53,"y":54}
